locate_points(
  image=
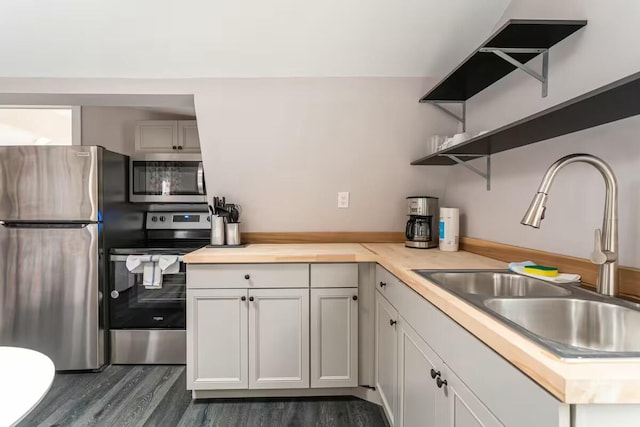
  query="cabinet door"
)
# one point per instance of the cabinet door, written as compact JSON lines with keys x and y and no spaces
{"x":334,"y":337}
{"x":188,"y":137}
{"x":419,"y":399}
{"x":386,"y":356}
{"x":279,"y":338}
{"x":463,"y":408}
{"x":217,"y":337}
{"x":157,"y":136}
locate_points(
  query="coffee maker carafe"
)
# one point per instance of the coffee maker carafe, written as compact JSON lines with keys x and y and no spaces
{"x":422,"y":230}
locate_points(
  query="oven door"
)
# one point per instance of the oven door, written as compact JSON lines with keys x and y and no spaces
{"x":132,"y":306}
{"x":167,"y":178}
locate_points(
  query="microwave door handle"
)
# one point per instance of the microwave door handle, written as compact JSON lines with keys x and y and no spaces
{"x":200,"y":178}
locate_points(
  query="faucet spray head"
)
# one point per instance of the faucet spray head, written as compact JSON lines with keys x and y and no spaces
{"x":535,"y":214}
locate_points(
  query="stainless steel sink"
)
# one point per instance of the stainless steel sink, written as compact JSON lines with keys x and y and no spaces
{"x":593,"y":325}
{"x":496,"y":284}
{"x":568,"y":320}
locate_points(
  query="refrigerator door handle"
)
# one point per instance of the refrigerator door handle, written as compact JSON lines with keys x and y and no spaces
{"x":200,"y":178}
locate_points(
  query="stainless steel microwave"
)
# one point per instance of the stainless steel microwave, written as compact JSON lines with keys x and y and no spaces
{"x":167,"y":178}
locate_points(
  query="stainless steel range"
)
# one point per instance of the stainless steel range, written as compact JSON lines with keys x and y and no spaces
{"x":147,"y":323}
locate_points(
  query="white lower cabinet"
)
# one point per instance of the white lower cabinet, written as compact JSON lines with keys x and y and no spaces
{"x":240,"y":338}
{"x":429,"y":393}
{"x":278,"y":338}
{"x":419,"y":399}
{"x":217,"y":352}
{"x":416,"y":387}
{"x":261,"y":326}
{"x":464,"y":409}
{"x":334,"y":337}
{"x":445,"y":377}
{"x":386,"y":356}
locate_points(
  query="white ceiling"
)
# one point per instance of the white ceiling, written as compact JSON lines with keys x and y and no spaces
{"x":240,"y":38}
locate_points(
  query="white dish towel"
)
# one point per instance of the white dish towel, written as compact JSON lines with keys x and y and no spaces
{"x":153,"y":267}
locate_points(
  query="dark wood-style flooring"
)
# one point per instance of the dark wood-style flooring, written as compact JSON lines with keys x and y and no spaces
{"x":157,"y":396}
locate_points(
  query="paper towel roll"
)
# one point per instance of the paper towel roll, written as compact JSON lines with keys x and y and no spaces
{"x":449,"y":229}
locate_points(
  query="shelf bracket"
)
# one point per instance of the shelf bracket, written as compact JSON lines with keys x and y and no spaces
{"x":504,"y":54}
{"x":486,"y":175}
{"x":462,"y":118}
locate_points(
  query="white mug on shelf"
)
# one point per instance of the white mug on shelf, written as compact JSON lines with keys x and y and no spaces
{"x":434,"y":144}
{"x":458,"y":138}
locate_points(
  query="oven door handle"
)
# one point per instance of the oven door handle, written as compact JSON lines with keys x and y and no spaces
{"x":200,"y":178}
{"x":121,"y":258}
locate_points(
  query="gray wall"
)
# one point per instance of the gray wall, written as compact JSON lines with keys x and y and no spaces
{"x":596,"y":56}
{"x":284,"y":148}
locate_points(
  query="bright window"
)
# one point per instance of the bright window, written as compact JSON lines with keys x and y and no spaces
{"x":36,"y":126}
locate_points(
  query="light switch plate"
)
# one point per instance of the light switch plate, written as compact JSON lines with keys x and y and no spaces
{"x":343,"y":199}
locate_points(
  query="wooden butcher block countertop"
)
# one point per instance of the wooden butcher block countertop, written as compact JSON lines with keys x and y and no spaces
{"x":306,"y":252}
{"x":579,"y":381}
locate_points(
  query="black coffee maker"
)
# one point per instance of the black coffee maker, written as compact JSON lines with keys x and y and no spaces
{"x":422,"y":230}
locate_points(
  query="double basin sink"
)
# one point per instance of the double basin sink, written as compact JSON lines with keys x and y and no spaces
{"x":570,"y":321}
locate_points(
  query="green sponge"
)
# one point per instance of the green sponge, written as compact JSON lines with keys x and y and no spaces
{"x":541,"y":270}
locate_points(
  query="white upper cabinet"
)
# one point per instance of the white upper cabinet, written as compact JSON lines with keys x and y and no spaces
{"x":167,"y":136}
{"x":188,"y":137}
{"x":157,"y":136}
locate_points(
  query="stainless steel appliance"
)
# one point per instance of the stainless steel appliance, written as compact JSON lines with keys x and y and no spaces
{"x":422,"y":229}
{"x":61,"y":210}
{"x":148,"y":325}
{"x":167,"y":178}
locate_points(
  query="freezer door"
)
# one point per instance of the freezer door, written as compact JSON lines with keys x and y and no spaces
{"x":49,"y":292}
{"x":49,"y":183}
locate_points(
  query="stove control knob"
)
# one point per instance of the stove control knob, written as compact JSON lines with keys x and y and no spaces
{"x":162,"y":218}
{"x":208,"y":219}
{"x":115,"y":294}
{"x":154,"y":219}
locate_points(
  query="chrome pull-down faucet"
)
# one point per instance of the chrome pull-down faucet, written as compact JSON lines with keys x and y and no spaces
{"x":605,"y":252}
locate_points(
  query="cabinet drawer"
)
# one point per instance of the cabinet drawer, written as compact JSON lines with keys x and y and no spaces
{"x":247,"y":276}
{"x":385,"y":281}
{"x":334,"y":275}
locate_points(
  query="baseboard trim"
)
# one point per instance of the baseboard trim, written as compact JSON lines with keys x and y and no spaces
{"x":364,"y":393}
{"x":325,"y":237}
{"x":628,"y":277}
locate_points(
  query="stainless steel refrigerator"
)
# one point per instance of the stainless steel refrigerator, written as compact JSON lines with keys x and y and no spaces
{"x":61,"y":210}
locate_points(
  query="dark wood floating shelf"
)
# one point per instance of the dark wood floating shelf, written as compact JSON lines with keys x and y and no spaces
{"x":481,"y":69}
{"x":615,"y":101}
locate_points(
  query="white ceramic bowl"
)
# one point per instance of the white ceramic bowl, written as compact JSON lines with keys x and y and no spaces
{"x":458,"y":138}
